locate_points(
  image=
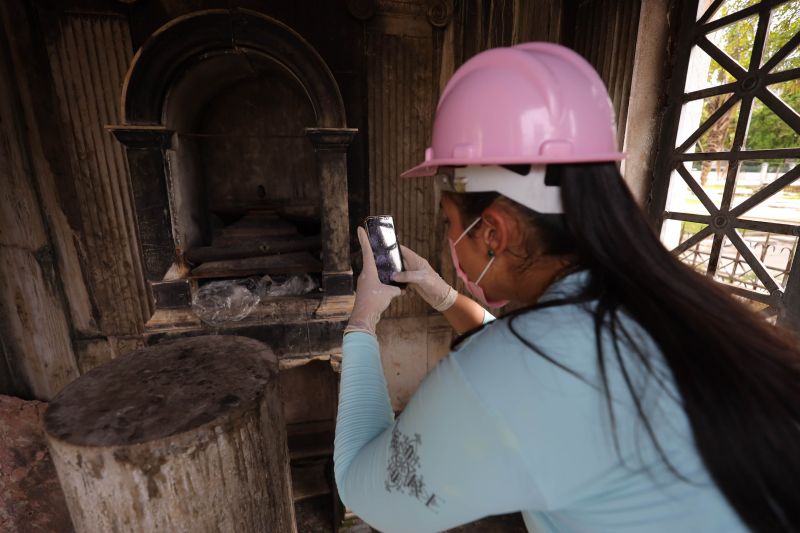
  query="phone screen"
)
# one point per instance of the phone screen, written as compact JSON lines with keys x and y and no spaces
{"x":383,"y":241}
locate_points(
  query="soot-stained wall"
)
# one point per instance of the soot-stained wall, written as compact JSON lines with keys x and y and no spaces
{"x":390,"y":59}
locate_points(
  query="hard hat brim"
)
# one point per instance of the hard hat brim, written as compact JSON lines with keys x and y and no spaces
{"x":429,"y":168}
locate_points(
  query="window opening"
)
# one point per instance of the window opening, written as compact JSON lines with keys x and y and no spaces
{"x":727,"y":191}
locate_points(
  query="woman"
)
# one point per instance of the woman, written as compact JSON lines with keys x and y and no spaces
{"x":628,"y":394}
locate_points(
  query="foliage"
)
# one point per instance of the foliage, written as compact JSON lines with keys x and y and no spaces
{"x":766,"y":130}
{"x":690,"y":228}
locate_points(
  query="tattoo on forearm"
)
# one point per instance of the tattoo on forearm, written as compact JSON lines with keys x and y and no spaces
{"x":403,"y":472}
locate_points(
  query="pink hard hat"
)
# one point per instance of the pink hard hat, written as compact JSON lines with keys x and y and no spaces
{"x":534,"y":103}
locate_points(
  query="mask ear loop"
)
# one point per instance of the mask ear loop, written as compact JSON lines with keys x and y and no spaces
{"x":488,"y":265}
{"x":485,"y":269}
{"x":467,"y":230}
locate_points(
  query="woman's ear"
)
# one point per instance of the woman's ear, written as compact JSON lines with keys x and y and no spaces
{"x":498,"y":226}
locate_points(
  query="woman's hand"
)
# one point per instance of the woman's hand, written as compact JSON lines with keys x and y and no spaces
{"x":424,"y":279}
{"x":372,"y":296}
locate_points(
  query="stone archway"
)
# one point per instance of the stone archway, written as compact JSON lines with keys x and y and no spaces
{"x":171,"y":54}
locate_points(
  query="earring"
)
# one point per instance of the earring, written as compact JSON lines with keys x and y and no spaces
{"x":491,"y":252}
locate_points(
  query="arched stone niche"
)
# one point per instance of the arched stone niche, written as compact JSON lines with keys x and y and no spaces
{"x":223,"y":57}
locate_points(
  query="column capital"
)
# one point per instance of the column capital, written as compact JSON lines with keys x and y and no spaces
{"x":335,"y":139}
{"x":142,"y":136}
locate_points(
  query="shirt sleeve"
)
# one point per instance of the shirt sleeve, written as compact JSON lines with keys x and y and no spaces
{"x":445,"y":461}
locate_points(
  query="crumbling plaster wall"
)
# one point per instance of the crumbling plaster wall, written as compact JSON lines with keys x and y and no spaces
{"x":74,"y":242}
{"x":36,"y":238}
{"x":647,"y":96}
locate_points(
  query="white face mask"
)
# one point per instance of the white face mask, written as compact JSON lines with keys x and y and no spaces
{"x":472,"y":286}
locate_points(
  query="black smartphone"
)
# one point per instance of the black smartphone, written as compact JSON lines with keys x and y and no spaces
{"x":383,"y":241}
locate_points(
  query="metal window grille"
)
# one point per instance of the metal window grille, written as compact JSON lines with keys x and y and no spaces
{"x":726,"y":195}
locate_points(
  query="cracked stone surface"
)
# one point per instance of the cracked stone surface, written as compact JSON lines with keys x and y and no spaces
{"x":31,"y":500}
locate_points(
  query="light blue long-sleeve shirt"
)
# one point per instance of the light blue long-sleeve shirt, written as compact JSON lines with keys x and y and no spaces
{"x":496,"y":428}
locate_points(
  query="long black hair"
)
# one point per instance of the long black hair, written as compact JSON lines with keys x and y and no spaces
{"x":738,"y":376}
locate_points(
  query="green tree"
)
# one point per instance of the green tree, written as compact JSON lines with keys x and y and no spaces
{"x":766,"y":130}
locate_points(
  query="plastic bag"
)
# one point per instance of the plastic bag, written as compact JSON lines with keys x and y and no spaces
{"x":296,"y":285}
{"x":221,"y":302}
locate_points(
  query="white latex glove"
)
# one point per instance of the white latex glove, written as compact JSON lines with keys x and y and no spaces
{"x":372,"y":296}
{"x":424,"y":279}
